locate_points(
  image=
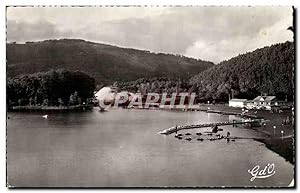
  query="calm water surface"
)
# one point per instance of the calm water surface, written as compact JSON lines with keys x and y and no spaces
{"x":122,"y":148}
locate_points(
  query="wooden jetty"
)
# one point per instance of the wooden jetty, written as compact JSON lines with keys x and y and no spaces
{"x":178,"y":128}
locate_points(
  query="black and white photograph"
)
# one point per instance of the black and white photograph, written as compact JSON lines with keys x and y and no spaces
{"x":150,"y":96}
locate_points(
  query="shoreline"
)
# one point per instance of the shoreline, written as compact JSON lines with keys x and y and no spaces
{"x":283,"y":147}
{"x":72,"y":108}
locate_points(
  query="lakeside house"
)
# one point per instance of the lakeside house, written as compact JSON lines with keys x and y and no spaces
{"x":259,"y":102}
{"x":262,"y":102}
{"x":237,"y":103}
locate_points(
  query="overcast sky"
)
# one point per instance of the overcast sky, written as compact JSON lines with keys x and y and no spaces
{"x":208,"y":33}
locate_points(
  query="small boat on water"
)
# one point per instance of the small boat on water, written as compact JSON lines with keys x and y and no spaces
{"x":188,"y":139}
{"x":45,"y":116}
{"x":178,"y":135}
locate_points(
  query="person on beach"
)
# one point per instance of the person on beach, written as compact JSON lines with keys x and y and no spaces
{"x":215,"y":129}
{"x":228,"y":134}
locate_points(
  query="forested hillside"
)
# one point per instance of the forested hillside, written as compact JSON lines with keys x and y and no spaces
{"x":53,"y":88}
{"x":268,"y":70}
{"x":155,"y":85}
{"x":105,"y":63}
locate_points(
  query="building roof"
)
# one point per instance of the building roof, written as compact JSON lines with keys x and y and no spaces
{"x":264,"y":98}
{"x":238,"y":100}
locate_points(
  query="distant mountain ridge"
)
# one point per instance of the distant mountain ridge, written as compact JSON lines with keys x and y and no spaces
{"x":105,"y":63}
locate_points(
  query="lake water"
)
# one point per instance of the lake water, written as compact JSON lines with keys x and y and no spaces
{"x":121,"y":148}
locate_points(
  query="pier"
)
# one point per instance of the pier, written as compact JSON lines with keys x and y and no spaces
{"x":178,"y":128}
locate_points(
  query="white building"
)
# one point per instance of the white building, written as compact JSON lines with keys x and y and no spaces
{"x":260,"y":102}
{"x":237,"y":103}
{"x":266,"y":102}
{"x":109,"y":94}
{"x":105,"y":94}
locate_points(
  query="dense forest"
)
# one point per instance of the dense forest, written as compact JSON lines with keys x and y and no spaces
{"x":105,"y":63}
{"x":268,"y":70}
{"x":52,"y":88}
{"x":155,"y":85}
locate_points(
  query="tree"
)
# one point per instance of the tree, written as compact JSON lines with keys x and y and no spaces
{"x":75,"y":99}
{"x":45,"y":102}
{"x":56,"y":86}
{"x":60,"y":102}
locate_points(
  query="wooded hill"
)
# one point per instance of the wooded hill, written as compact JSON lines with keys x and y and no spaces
{"x":105,"y":63}
{"x":268,"y":70}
